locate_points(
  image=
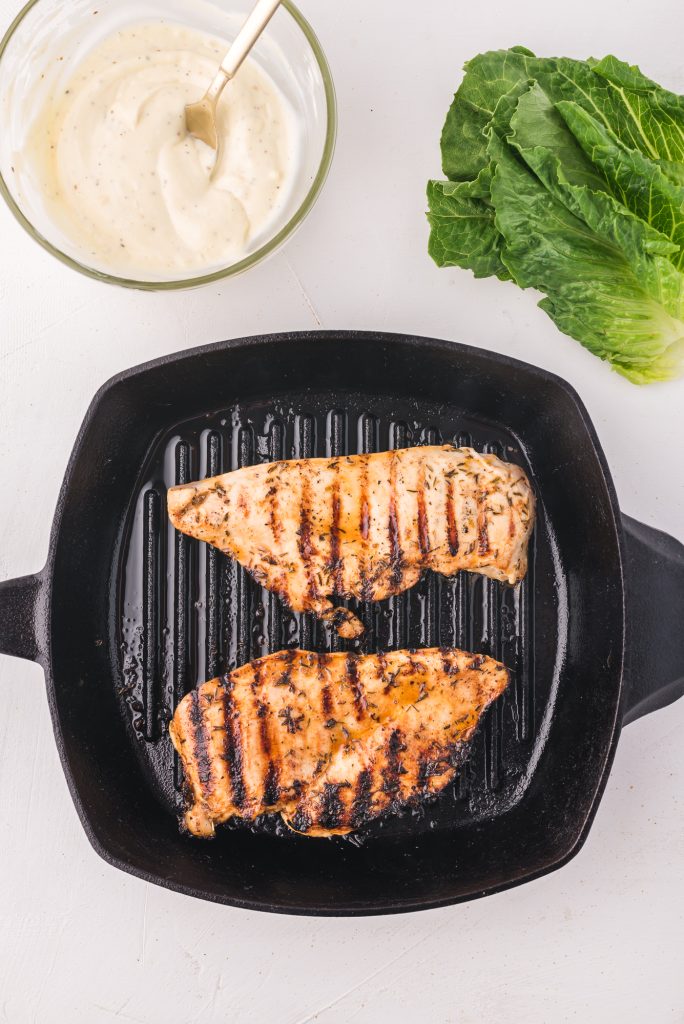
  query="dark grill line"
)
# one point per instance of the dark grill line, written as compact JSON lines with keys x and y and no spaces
{"x":305,"y":543}
{"x":272,"y":785}
{"x":360,"y":808}
{"x":271,"y":789}
{"x":306,"y":450}
{"x":336,"y":446}
{"x":464,"y":625}
{"x":335,"y":564}
{"x":364,"y":522}
{"x":326,"y":702}
{"x":368,"y":442}
{"x":326,"y":698}
{"x":399,"y":438}
{"x":396,"y":553}
{"x":393,"y":763}
{"x":200,"y":742}
{"x":331,"y":806}
{"x":275,"y":454}
{"x":430,"y":626}
{"x":262,"y":715}
{"x":423,"y":533}
{"x":452,"y":525}
{"x":364,"y":527}
{"x":274,"y":513}
{"x":233,"y":746}
{"x":360,"y":703}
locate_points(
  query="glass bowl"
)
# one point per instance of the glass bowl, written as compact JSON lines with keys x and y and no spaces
{"x":48,"y":38}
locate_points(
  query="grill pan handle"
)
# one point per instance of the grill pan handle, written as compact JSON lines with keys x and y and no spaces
{"x":22,"y":617}
{"x":654,"y":580}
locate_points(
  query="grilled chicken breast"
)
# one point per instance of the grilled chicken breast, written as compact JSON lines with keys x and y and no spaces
{"x":330,"y":741}
{"x":363,"y":526}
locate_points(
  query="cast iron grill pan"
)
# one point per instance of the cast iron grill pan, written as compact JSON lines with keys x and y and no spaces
{"x":127,"y":616}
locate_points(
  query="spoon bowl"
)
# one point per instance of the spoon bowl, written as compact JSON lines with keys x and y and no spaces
{"x":200,"y":118}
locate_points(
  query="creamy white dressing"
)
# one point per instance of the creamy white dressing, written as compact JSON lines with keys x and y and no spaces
{"x":126,"y":184}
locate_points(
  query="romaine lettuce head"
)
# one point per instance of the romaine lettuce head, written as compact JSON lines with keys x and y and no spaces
{"x":566,"y":176}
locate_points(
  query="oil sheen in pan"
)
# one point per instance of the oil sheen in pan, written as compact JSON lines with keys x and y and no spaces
{"x":188,"y":613}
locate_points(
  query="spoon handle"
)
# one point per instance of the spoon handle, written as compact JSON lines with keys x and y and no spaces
{"x":256,"y":22}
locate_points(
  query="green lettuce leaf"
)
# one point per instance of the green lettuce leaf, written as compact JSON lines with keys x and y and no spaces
{"x":566,"y":177}
{"x":647,"y":117}
{"x":592,"y":292}
{"x":638,"y":112}
{"x":463,"y":230}
{"x":640,"y":184}
{"x":549,"y":149}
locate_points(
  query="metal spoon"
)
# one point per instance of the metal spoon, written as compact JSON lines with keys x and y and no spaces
{"x":200,"y":118}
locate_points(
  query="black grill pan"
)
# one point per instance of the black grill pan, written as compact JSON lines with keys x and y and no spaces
{"x":127,"y":616}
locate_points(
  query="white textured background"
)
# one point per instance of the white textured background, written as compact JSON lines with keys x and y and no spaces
{"x":598,"y":942}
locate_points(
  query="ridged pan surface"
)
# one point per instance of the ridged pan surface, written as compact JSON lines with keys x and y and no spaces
{"x":187,"y":613}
